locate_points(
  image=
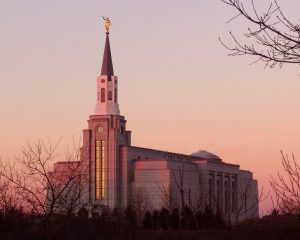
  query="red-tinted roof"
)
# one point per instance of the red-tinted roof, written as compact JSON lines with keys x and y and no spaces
{"x":107,"y":66}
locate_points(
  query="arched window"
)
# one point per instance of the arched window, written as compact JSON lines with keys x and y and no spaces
{"x":109,"y":95}
{"x":210,"y":193}
{"x":233,"y":196}
{"x":102,"y":94}
{"x":116,"y":95}
{"x":226,"y":197}
{"x":219,"y":195}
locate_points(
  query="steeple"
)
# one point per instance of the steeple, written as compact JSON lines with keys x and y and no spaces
{"x":107,"y":82}
{"x":107,"y":66}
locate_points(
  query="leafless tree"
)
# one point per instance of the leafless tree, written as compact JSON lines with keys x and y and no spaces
{"x":179,"y":182}
{"x":199,"y":203}
{"x":140,"y":204}
{"x":248,"y":200}
{"x":43,"y":192}
{"x":271,"y":37}
{"x":276,"y":206}
{"x":196,"y":202}
{"x":286,"y":186}
{"x":8,"y":200}
{"x":167,"y":197}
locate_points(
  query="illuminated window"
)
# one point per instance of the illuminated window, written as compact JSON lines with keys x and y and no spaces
{"x":102,"y":94}
{"x":109,"y":95}
{"x":103,"y":171}
{"x":100,"y":170}
{"x":97,"y":171}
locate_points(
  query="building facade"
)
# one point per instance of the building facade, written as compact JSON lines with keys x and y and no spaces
{"x":119,"y":174}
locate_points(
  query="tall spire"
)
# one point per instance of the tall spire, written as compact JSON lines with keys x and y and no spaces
{"x":107,"y":66}
{"x":107,"y":82}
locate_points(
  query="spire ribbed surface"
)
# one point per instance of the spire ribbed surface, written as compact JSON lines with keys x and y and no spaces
{"x":107,"y":66}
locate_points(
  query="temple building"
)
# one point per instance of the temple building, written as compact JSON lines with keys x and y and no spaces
{"x":118,"y":173}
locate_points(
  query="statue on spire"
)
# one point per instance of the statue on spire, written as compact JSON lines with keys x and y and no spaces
{"x":107,"y":23}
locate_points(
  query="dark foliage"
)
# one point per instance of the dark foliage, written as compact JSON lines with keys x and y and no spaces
{"x":15,"y":225}
{"x":208,"y":218}
{"x":155,"y":219}
{"x":164,"y":218}
{"x":130,"y":215}
{"x":219,"y":221}
{"x":147,"y":222}
{"x":175,"y":219}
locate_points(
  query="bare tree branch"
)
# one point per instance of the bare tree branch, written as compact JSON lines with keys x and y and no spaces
{"x":41,"y":191}
{"x":275,"y":40}
{"x":286,"y":186}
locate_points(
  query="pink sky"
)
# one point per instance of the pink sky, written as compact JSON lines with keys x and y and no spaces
{"x":178,"y":88}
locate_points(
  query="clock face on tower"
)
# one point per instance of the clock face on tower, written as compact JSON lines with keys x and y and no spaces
{"x":100,"y":129}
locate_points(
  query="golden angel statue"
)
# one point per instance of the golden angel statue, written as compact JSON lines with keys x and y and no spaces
{"x":107,"y":23}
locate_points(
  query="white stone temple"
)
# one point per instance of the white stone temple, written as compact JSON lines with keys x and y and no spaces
{"x":118,"y":173}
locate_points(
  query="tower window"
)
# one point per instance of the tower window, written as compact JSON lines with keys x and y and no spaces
{"x":116,"y":95}
{"x":102,"y":94}
{"x":109,"y":95}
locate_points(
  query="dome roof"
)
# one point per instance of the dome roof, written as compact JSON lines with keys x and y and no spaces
{"x":207,"y":156}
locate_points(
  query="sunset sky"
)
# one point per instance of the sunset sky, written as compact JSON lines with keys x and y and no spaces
{"x":179,"y":91}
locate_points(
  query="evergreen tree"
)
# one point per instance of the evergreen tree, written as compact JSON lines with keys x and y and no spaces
{"x":82,"y":213}
{"x":219,"y":221}
{"x":155,"y":219}
{"x":208,"y":217}
{"x":175,"y":219}
{"x":164,"y":216}
{"x":147,"y":222}
{"x":186,"y":217}
{"x":130,"y":215}
{"x":200,"y":219}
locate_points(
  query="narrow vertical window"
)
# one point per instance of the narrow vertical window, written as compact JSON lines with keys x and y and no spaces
{"x":116,"y":95}
{"x":102,"y":94}
{"x":210,"y":193}
{"x":233,"y":198}
{"x":109,"y":95}
{"x":219,"y":195}
{"x":103,"y":170}
{"x":97,"y":171}
{"x":226,"y":197}
{"x":100,"y":170}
